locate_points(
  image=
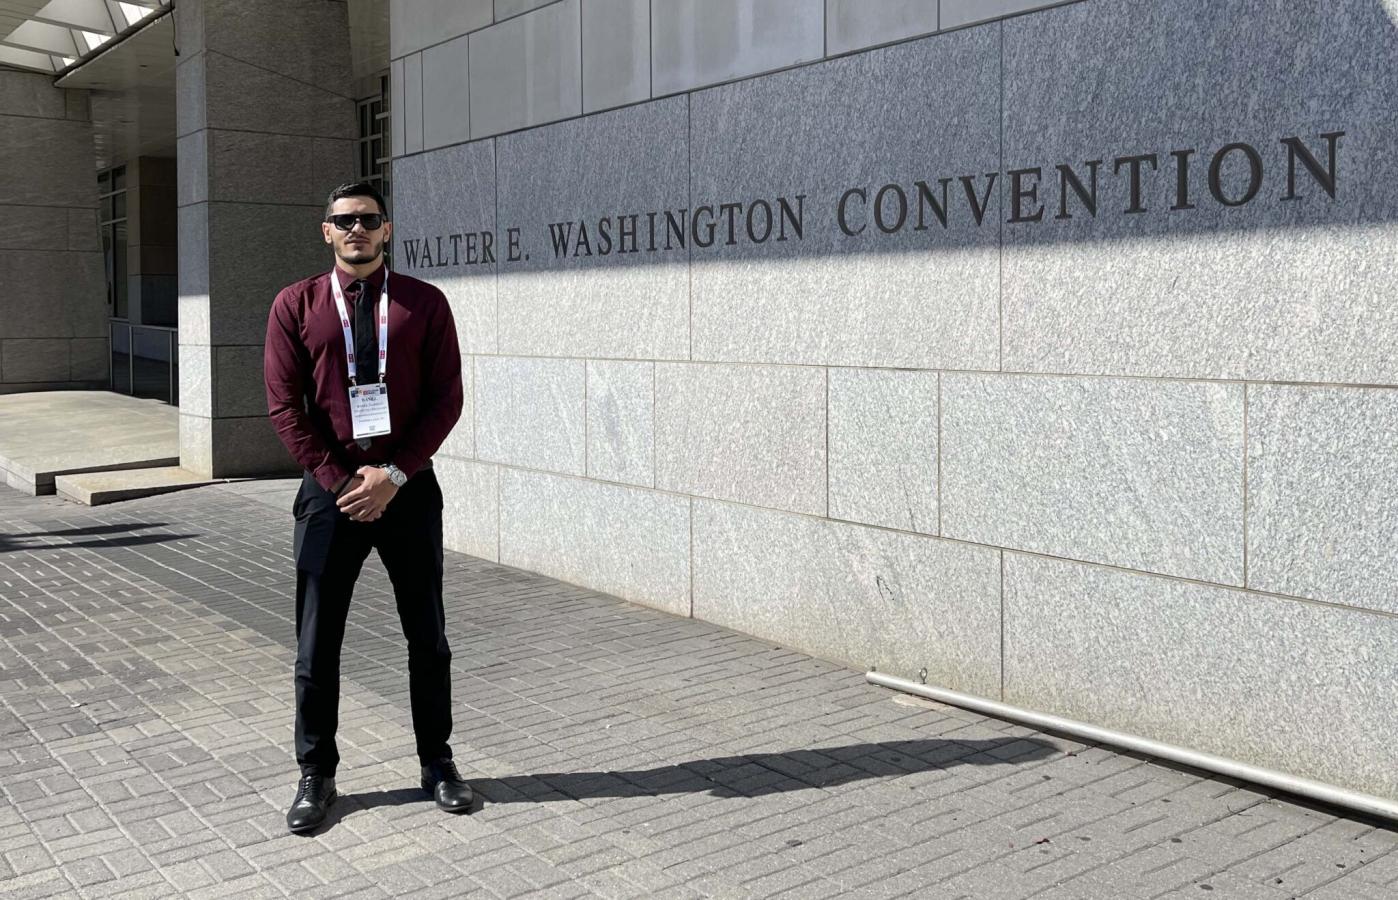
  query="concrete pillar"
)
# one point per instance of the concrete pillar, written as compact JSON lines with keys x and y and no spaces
{"x":265,"y":129}
{"x":53,"y":311}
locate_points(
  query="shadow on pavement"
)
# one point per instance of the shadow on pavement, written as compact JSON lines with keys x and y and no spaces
{"x":352,"y":803}
{"x":748,"y":776}
{"x":121,"y":537}
{"x":761,"y":774}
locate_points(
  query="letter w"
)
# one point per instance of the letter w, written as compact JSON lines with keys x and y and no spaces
{"x":561,"y":233}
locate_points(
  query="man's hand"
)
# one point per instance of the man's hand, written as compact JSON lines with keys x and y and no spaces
{"x":367,"y":499}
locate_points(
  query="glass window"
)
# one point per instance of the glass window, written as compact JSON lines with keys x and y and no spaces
{"x":119,"y":286}
{"x":374,"y":153}
{"x":107,"y":267}
{"x":121,"y":357}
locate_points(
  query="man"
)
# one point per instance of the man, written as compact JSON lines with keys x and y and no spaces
{"x":363,"y":380}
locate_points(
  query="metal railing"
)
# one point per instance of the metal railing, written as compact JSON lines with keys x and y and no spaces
{"x":145,"y":361}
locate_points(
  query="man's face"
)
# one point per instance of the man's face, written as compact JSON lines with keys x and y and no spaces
{"x":358,"y":245}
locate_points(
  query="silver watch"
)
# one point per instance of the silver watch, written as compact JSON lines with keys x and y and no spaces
{"x":395,"y":474}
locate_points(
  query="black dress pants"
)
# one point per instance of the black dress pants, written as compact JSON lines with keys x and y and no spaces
{"x":330,"y":551}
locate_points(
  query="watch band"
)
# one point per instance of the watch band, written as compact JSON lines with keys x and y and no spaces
{"x":395,"y":474}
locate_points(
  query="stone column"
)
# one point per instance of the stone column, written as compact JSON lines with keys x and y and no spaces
{"x":53,"y":314}
{"x":266,"y":129}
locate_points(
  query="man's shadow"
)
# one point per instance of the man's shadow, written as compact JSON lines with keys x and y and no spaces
{"x":348,"y":804}
{"x":106,"y":536}
{"x":748,"y":776}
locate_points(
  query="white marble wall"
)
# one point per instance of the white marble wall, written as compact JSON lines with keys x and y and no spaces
{"x":1132,"y":468}
{"x":467,"y":69}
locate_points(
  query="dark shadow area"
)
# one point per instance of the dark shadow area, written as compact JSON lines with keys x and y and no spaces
{"x":1220,"y":118}
{"x":754,"y":775}
{"x":748,"y":776}
{"x":346,"y":804}
{"x":89,"y":530}
{"x":120,"y":537}
{"x":374,"y":799}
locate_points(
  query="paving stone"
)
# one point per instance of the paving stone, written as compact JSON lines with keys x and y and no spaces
{"x":620,"y":751}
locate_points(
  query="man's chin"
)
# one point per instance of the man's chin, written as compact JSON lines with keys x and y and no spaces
{"x":358,"y":256}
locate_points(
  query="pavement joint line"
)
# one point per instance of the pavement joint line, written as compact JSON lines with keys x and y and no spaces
{"x":72,"y":774}
{"x":220,"y":595}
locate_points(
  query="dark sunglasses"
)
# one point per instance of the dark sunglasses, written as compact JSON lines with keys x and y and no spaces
{"x":345,"y":221}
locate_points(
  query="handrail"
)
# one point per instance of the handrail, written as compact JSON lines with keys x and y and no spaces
{"x":172,"y":345}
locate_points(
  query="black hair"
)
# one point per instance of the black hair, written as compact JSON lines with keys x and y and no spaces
{"x":356,"y":189}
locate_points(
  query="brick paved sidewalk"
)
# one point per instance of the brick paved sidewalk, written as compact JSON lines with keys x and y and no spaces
{"x":145,"y":733}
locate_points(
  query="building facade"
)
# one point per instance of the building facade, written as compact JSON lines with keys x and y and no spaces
{"x":1041,"y":351}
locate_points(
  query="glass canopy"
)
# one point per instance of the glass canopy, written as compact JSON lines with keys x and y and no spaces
{"x":55,"y":35}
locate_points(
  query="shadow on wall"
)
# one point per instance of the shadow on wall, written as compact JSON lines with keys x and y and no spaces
{"x":1107,"y":120}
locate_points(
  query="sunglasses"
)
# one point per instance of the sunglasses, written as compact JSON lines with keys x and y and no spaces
{"x":345,"y":221}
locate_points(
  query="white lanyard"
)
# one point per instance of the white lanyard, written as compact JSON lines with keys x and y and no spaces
{"x":349,"y":335}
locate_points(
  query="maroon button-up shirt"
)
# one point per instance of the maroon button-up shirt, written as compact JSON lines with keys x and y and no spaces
{"x":308,"y":380}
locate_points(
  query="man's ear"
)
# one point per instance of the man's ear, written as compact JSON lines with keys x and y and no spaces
{"x":325,"y":231}
{"x":387,"y":231}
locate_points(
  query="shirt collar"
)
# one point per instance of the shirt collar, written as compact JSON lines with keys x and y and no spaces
{"x":375,"y":278}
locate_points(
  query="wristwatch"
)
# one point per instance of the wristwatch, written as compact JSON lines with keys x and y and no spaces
{"x":395,"y":474}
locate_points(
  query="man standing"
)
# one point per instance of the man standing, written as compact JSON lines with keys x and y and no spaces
{"x":363,"y":379}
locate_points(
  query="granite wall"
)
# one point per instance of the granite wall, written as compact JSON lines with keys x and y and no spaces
{"x":265,"y":122}
{"x":53,"y":307}
{"x":1041,"y":351}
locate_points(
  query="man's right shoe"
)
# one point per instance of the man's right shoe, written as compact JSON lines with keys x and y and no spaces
{"x":314,"y":795}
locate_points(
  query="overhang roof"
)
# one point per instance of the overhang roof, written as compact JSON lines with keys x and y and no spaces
{"x":54,"y":35}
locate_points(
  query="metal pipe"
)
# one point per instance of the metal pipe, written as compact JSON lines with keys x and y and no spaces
{"x":1305,"y":787}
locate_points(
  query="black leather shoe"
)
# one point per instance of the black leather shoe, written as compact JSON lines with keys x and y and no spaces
{"x":441,"y":780}
{"x":314,"y":795}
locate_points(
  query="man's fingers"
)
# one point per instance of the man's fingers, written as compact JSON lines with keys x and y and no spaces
{"x":362,"y":509}
{"x":358,"y":506}
{"x":361,"y":504}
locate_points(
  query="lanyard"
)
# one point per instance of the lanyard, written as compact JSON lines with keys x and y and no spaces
{"x":349,"y":335}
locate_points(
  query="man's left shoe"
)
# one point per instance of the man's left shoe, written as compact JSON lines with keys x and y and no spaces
{"x":441,"y":780}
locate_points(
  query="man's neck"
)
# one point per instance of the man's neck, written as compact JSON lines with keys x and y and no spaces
{"x":360,"y":270}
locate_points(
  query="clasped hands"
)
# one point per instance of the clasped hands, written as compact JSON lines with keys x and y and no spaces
{"x":366,"y":494}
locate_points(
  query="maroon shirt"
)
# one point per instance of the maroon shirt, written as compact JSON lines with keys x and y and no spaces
{"x":308,"y":381}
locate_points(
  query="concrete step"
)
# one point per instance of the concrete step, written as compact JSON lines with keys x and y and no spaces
{"x":45,"y":434}
{"x":35,"y":475}
{"x":96,"y":488}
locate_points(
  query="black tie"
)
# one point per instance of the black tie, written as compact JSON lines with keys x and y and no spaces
{"x":366,"y":332}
